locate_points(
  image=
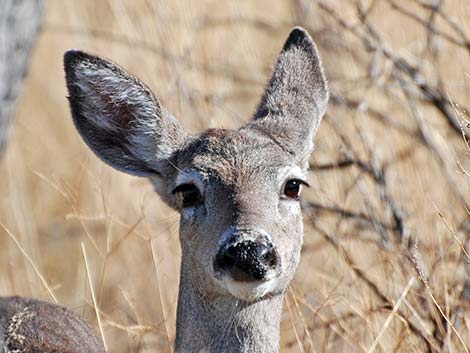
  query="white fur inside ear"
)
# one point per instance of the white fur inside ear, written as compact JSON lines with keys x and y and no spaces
{"x":120,"y":104}
{"x":106,"y":93}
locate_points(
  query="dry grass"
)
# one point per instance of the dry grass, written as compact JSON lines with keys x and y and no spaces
{"x":385,"y":265}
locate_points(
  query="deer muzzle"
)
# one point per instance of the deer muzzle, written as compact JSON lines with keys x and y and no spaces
{"x":247,"y":256}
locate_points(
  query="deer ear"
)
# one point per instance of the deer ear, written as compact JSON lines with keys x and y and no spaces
{"x":118,"y":116}
{"x":296,"y":96}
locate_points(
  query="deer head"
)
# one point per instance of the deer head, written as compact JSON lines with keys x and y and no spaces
{"x":237,"y":191}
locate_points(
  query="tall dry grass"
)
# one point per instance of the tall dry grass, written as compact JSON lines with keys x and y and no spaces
{"x":385,"y":264}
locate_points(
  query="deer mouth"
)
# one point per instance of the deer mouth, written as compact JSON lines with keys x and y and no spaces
{"x":249,"y":291}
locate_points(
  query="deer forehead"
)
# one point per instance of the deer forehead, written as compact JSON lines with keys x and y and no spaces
{"x":236,"y":158}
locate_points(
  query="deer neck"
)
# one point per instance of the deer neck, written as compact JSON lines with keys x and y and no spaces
{"x":223,"y":324}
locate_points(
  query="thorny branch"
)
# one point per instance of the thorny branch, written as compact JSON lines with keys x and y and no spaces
{"x":387,"y":302}
{"x":416,"y":90}
{"x":373,"y":42}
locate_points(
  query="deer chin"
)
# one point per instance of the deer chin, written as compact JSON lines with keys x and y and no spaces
{"x":249,"y":291}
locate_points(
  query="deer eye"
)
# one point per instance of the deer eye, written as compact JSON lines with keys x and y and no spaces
{"x":189,"y":193}
{"x":292,"y":188}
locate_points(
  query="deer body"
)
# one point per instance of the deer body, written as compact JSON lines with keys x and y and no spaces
{"x":236,"y":190}
{"x":33,"y":326}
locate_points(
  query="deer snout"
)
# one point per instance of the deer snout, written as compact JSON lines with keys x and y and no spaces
{"x":247,"y":260}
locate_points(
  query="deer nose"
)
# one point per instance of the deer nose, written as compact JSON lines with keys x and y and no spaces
{"x":247,"y":260}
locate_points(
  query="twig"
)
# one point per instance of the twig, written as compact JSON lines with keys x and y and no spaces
{"x":344,"y":213}
{"x":428,"y":25}
{"x":375,"y":289}
{"x":165,"y":321}
{"x":374,"y":42}
{"x":92,"y":291}
{"x":391,"y":315}
{"x":444,"y":316}
{"x":31,"y":262}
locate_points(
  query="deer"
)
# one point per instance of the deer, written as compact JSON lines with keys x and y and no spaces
{"x":237,"y":191}
{"x":33,"y":326}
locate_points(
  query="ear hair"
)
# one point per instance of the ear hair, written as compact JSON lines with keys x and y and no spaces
{"x":118,"y":116}
{"x":296,"y":96}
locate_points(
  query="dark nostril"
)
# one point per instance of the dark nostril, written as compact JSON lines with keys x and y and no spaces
{"x":247,"y":260}
{"x":268,"y":256}
{"x":227,"y":259}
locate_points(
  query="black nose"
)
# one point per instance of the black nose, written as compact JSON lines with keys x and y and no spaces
{"x":247,"y":260}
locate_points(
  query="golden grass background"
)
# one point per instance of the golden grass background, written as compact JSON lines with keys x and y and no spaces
{"x":208,"y":61}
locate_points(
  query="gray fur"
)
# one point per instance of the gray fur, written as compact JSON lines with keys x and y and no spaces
{"x":296,"y":97}
{"x":241,"y":175}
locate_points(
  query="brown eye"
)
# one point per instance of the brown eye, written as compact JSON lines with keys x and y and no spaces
{"x":292,"y":188}
{"x":190,"y":194}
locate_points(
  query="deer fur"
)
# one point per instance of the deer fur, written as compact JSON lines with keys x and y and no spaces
{"x":33,"y":326}
{"x":242,"y":179}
